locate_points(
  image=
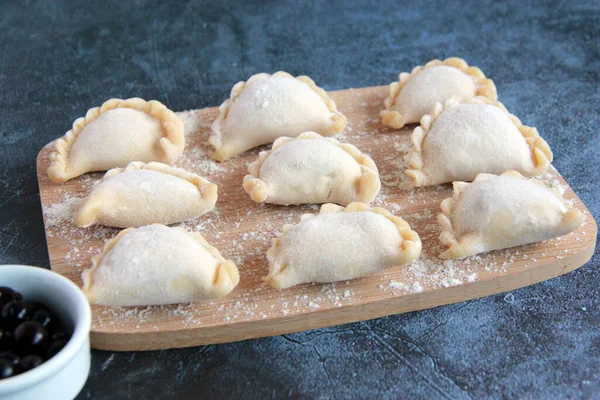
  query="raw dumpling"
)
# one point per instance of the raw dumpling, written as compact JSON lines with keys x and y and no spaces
{"x":143,"y":194}
{"x":340,"y":243}
{"x":155,"y":265}
{"x":270,"y":106}
{"x":460,"y":140}
{"x":497,"y":212}
{"x":312,"y":169}
{"x":415,"y":94}
{"x":113,"y":135}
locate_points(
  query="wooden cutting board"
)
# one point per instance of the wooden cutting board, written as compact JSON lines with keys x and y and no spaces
{"x":242,"y":230}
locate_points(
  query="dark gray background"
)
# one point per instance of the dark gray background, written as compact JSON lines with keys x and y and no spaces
{"x":57,"y":59}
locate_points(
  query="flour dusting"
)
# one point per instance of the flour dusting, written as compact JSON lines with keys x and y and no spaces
{"x":243,"y":231}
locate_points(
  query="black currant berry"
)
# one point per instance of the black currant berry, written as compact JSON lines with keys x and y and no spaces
{"x":15,"y":312}
{"x":7,"y":369}
{"x":7,"y":295}
{"x":7,"y":339}
{"x":30,"y":361}
{"x":9,"y":355}
{"x":55,"y":347}
{"x":30,"y":337}
{"x":29,"y":334}
{"x":44,"y":317}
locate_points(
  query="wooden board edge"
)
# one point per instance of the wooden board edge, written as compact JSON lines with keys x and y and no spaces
{"x":41,"y":173}
{"x":190,"y":337}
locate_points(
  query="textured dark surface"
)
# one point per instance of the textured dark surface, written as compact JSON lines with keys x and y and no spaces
{"x":57,"y":59}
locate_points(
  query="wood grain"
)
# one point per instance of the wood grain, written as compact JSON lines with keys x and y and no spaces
{"x":242,"y":230}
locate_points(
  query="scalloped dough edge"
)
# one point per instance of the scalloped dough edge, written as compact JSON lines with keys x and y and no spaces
{"x":226,"y":277}
{"x":472,"y":243}
{"x":221,"y":153}
{"x":393,"y":119}
{"x":172,"y":143}
{"x":87,"y":211}
{"x":540,"y":151}
{"x":410,"y":246}
{"x":367,"y":185}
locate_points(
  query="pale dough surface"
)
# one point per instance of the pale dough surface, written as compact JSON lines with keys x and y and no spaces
{"x":430,"y":86}
{"x":143,"y":194}
{"x":115,"y":134}
{"x":340,"y":245}
{"x":116,"y":138}
{"x":335,"y":247}
{"x":155,"y":265}
{"x":271,"y":106}
{"x":415,"y":94}
{"x":312,"y":169}
{"x":468,"y":139}
{"x":461,"y":139}
{"x":496,"y":212}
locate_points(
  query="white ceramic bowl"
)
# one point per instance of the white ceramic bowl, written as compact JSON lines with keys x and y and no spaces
{"x":62,"y":376}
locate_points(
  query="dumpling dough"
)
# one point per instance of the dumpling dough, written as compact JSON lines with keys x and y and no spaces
{"x":143,"y":194}
{"x":312,"y":169}
{"x":415,"y":94}
{"x":270,"y":106}
{"x":156,"y":265}
{"x":460,"y":140}
{"x":497,"y":212}
{"x":113,"y":135}
{"x":340,"y":243}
